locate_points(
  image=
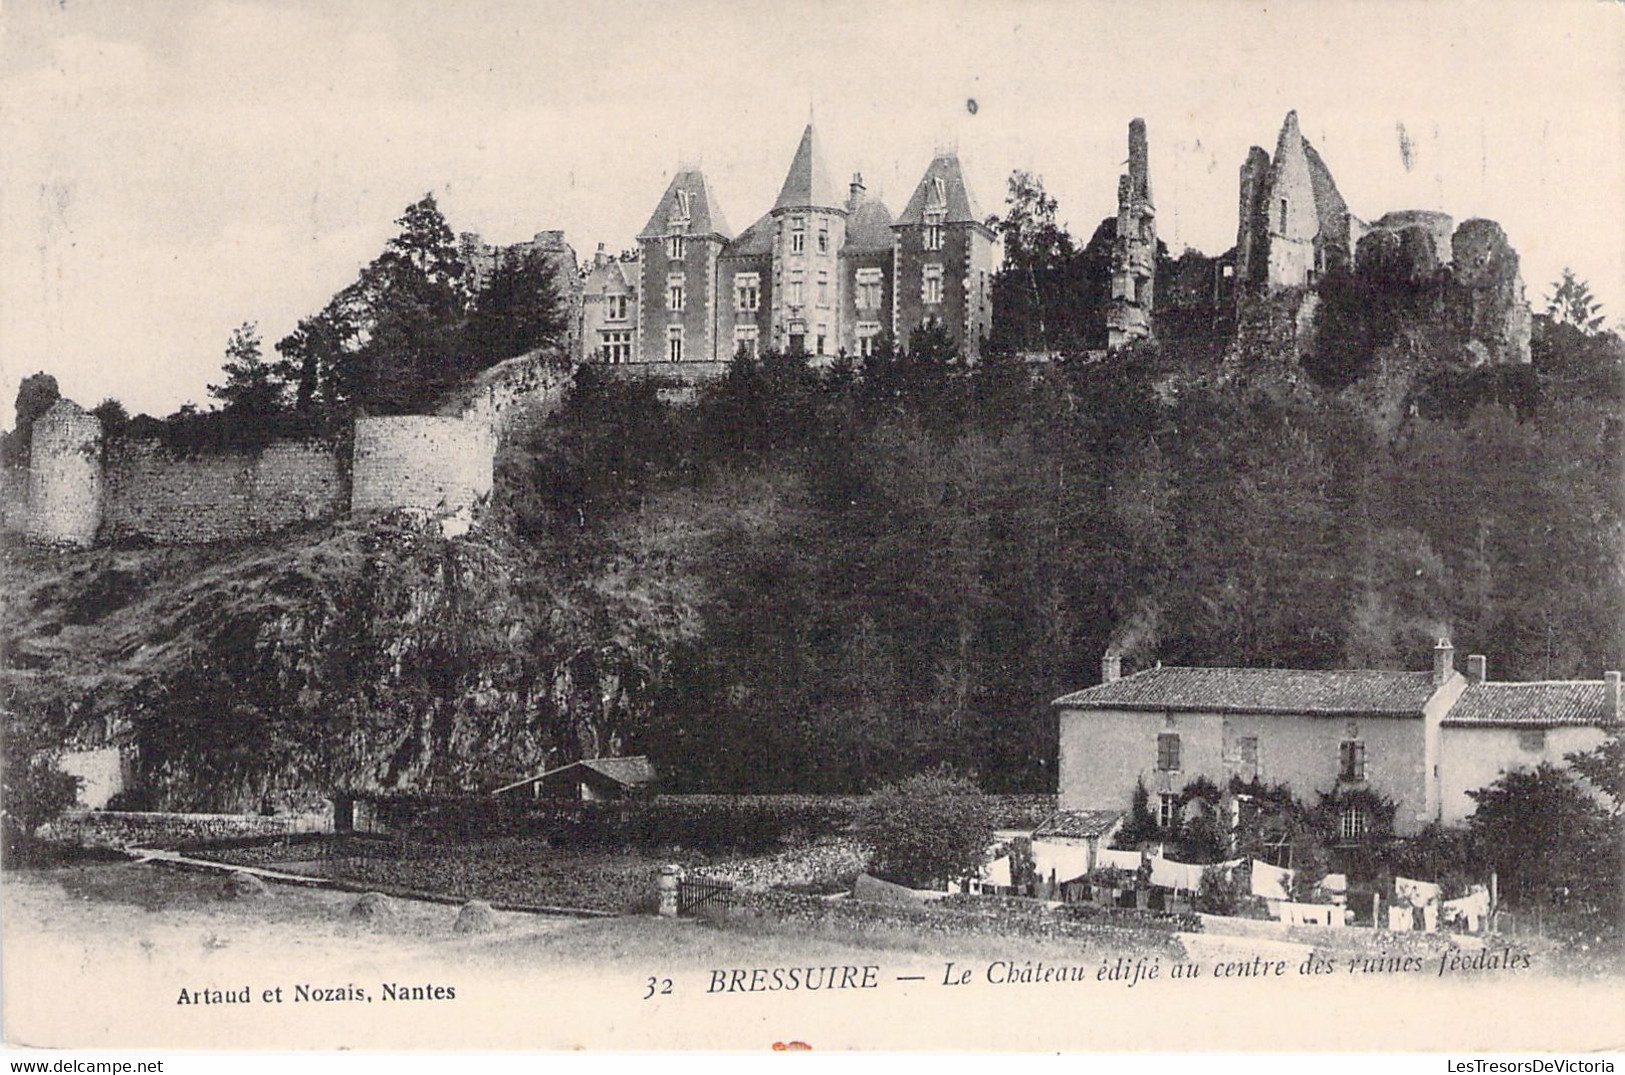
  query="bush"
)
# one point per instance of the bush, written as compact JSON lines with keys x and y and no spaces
{"x":927,"y":829}
{"x":35,"y":790}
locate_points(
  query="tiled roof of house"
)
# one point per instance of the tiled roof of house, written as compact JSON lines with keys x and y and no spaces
{"x":1079,"y":824}
{"x":633,"y":772}
{"x":956,"y":200}
{"x":754,"y":240}
{"x":807,"y":184}
{"x":1532,"y":705}
{"x":868,"y":229}
{"x":1261,"y":690}
{"x":705,"y":215}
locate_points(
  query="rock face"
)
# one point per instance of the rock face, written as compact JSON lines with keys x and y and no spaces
{"x":380,"y":655}
{"x":1487,"y":303}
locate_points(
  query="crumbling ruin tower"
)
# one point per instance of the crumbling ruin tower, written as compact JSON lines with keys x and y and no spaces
{"x":1134,"y":252}
{"x":65,"y":488}
{"x":1294,"y":225}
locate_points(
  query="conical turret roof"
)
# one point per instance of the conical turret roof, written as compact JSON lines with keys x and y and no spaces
{"x":808,"y":186}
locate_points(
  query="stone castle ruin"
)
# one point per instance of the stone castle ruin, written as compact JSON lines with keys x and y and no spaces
{"x":1295,"y":230}
{"x":1295,"y":233}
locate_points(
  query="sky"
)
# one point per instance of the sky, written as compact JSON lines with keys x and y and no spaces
{"x":171,"y":170}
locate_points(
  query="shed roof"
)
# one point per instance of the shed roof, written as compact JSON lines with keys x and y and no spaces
{"x":1533,"y":705}
{"x":1079,"y":824}
{"x":631,"y":772}
{"x":1261,"y":690}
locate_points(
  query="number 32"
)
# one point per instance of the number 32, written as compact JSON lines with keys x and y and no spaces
{"x":658,"y":985}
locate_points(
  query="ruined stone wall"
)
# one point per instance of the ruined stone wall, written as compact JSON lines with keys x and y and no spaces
{"x":13,"y":500}
{"x":158,"y":495}
{"x":65,"y":476}
{"x":434,"y":462}
{"x":1487,"y":303}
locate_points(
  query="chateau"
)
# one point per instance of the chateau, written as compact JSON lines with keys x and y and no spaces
{"x":819,"y":274}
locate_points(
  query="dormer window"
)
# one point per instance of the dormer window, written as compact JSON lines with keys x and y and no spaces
{"x":939,"y":193}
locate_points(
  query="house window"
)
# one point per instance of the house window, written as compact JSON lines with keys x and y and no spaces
{"x":1353,"y":823}
{"x":932,"y":238}
{"x":1351,"y":758}
{"x":798,"y":235}
{"x":931,"y":285}
{"x":1532,"y":740}
{"x":676,"y":247}
{"x":1247,"y":758}
{"x":747,"y":292}
{"x":616,"y":346}
{"x":797,"y":289}
{"x":614,"y":307}
{"x":1167,"y":810}
{"x":746,"y":339}
{"x":823,"y":237}
{"x":1168,"y":752}
{"x":867,"y":331}
{"x":823,"y":332}
{"x":674,"y":343}
{"x":823,"y":287}
{"x":868,"y":281}
{"x":674,"y":291}
{"x":798,"y":343}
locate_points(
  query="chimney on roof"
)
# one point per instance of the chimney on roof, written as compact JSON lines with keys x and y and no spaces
{"x":1111,"y":667}
{"x":1610,"y":690}
{"x":1444,"y":661}
{"x":855,"y":193}
{"x":599,"y":257}
{"x":1477,"y":668}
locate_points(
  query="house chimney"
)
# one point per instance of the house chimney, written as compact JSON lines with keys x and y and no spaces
{"x":599,"y":257}
{"x":854,"y":197}
{"x":1111,"y":667}
{"x":1444,"y":661}
{"x":1610,"y":691}
{"x":1476,"y":668}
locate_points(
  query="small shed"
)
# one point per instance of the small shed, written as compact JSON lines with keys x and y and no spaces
{"x":1067,"y":845}
{"x":588,"y":780}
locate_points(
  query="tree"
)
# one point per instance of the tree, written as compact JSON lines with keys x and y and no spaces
{"x":1571,"y":303}
{"x":251,"y":389}
{"x":1038,"y":252}
{"x":520,"y":310}
{"x":35,"y":790}
{"x":112,"y":415}
{"x":929,"y":828}
{"x":35,"y":395}
{"x":1546,"y":837}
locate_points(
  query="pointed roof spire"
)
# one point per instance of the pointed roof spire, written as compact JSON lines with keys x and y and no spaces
{"x":689,"y":201}
{"x":807,"y":185}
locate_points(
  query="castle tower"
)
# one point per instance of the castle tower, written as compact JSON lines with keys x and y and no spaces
{"x":942,"y":255}
{"x":677,"y":273}
{"x":809,"y":229}
{"x":1134,"y":251}
{"x":1294,"y":224}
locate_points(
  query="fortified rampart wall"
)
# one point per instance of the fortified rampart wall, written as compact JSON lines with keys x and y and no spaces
{"x":433,"y":462}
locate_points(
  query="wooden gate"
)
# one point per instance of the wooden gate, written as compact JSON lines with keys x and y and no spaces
{"x":697,"y":895}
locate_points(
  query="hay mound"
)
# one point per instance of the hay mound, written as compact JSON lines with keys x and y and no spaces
{"x":374,"y":907}
{"x":243,"y":885}
{"x":476,"y":917}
